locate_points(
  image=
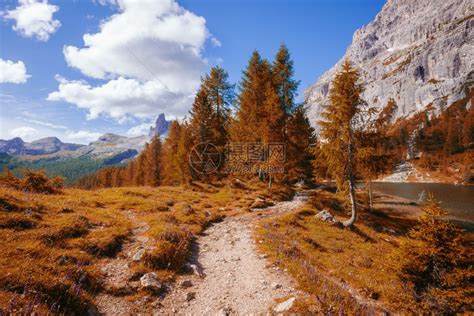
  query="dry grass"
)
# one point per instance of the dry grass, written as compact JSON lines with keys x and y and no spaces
{"x":52,"y":245}
{"x":348,"y":270}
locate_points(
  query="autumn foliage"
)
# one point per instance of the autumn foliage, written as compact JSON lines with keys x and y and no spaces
{"x":436,"y":262}
{"x":32,"y":181}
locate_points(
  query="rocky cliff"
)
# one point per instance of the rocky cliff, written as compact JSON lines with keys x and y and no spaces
{"x":161,"y":126}
{"x":418,"y":52}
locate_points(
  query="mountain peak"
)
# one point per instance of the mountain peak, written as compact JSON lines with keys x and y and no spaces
{"x":161,"y":126}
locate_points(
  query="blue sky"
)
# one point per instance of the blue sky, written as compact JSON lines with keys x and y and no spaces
{"x":145,"y":57}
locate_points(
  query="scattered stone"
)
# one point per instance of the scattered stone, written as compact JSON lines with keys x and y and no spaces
{"x":169,"y":202}
{"x":190,"y":296}
{"x":225,"y":311}
{"x":138,"y":255}
{"x":237,"y":183}
{"x":186,"y":283}
{"x":324,"y":215}
{"x":276,"y":285}
{"x":261,"y":203}
{"x":263,"y":256}
{"x":284,"y":306}
{"x":192,"y":268}
{"x":150,"y":281}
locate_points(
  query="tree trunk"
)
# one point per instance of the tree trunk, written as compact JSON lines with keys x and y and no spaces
{"x":270,"y":181}
{"x":350,"y":175}
{"x":370,"y":194}
{"x":353,"y":218}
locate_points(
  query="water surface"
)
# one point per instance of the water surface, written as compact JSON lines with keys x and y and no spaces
{"x":458,"y":200}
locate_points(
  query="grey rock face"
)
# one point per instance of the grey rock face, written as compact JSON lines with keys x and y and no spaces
{"x":161,"y":126}
{"x":416,"y":52}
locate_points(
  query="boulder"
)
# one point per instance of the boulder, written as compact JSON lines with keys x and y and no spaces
{"x":284,"y":306}
{"x":324,"y":215}
{"x":149,"y":281}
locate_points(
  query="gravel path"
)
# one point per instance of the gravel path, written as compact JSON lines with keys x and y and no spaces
{"x":232,"y":277}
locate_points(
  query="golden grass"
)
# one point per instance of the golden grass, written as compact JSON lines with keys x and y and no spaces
{"x":348,"y":270}
{"x":52,"y":245}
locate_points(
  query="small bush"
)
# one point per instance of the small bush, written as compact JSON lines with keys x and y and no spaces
{"x":32,"y":181}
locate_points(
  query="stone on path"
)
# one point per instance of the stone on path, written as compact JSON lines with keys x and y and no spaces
{"x":284,"y":306}
{"x":150,"y":281}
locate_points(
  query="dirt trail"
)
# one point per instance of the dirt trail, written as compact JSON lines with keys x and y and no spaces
{"x":117,"y":273}
{"x":235,"y":279}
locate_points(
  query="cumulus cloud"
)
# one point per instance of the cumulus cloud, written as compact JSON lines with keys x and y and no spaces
{"x":120,"y":97}
{"x":34,"y":19}
{"x":141,"y":129}
{"x":13,"y":72}
{"x":23,"y":132}
{"x":151,"y":54}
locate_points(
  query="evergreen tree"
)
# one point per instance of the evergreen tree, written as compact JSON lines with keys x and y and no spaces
{"x":468,"y":128}
{"x":436,"y":263}
{"x":247,"y":125}
{"x":338,"y":129}
{"x":182,"y":154}
{"x":282,"y":77}
{"x":300,"y":136}
{"x":153,"y":162}
{"x":171,"y":173}
{"x":220,"y":95}
{"x":201,"y":115}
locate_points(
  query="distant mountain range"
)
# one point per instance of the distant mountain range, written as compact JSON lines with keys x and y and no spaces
{"x":48,"y":145}
{"x":75,"y":160}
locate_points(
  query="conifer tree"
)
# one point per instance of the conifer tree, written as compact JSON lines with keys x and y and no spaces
{"x":282,"y":77}
{"x":246,"y":126}
{"x":220,"y":95}
{"x":182,"y":154}
{"x":435,"y":262}
{"x":300,"y":136}
{"x":171,"y":174}
{"x":468,"y":128}
{"x":153,"y":162}
{"x":201,"y":115}
{"x":338,"y":128}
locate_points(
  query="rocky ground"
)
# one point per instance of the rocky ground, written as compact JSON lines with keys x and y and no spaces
{"x":226,"y":275}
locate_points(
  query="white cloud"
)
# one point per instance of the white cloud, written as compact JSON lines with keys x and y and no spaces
{"x":13,"y":72}
{"x":45,"y":124}
{"x":81,"y":136}
{"x":141,"y":129}
{"x":34,"y":19}
{"x":23,"y":132}
{"x":216,"y":42}
{"x":151,"y":54}
{"x":119,"y":98}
